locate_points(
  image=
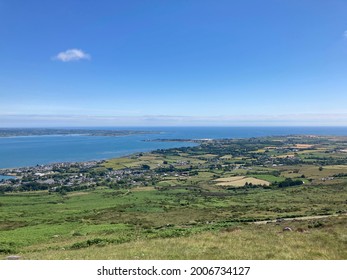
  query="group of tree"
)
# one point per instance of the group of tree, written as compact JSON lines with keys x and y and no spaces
{"x":289,"y":182}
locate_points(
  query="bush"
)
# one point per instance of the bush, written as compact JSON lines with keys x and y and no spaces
{"x":316,"y":224}
{"x":6,"y":248}
{"x":288,"y":182}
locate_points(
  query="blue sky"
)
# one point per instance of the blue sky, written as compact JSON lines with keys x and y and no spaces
{"x":173,"y":62}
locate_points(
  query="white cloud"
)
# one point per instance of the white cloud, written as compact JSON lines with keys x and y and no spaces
{"x":72,"y":55}
{"x":45,"y":120}
{"x":345,"y":34}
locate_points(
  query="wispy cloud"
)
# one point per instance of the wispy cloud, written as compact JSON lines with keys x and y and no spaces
{"x":71,"y":55}
{"x":18,"y":120}
{"x":345,"y":34}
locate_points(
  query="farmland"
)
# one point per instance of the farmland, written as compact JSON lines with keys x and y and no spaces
{"x":187,"y":203}
{"x":240,"y":181}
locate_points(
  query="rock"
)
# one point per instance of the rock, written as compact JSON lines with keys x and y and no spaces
{"x":287,"y":229}
{"x":13,"y":257}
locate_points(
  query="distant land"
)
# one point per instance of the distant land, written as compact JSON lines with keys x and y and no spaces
{"x":13,"y":132}
{"x":44,"y":145}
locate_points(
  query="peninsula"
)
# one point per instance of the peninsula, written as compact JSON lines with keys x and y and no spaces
{"x":12,"y":132}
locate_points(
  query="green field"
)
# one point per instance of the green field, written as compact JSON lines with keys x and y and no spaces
{"x":39,"y":224}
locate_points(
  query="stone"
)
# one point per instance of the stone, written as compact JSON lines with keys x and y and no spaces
{"x":13,"y":257}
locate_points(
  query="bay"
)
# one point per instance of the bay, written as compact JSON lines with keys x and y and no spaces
{"x":4,"y":177}
{"x":32,"y":150}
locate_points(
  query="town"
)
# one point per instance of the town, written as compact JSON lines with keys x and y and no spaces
{"x":154,"y":169}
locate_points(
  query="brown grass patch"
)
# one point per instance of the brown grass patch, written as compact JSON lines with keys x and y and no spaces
{"x":338,"y":167}
{"x":285,"y":156}
{"x":230,"y":179}
{"x":142,"y":189}
{"x":76,"y":194}
{"x":303,"y":146}
{"x":240,"y":181}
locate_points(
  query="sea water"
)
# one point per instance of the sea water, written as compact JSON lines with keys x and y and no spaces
{"x":32,"y":150}
{"x":4,"y":177}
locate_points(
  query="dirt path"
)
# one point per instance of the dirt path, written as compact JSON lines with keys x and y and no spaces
{"x":298,"y":218}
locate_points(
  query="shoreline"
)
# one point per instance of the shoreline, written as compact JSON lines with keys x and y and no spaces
{"x":98,"y":160}
{"x":179,"y":140}
{"x":13,"y":133}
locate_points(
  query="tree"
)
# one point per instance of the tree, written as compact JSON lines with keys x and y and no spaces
{"x":146,"y":167}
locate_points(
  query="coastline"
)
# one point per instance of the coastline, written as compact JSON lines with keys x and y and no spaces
{"x":9,"y":171}
{"x":35,"y":132}
{"x":28,"y":151}
{"x":95,"y":160}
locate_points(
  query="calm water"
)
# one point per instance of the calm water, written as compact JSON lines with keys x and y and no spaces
{"x":29,"y":151}
{"x":3,"y":177}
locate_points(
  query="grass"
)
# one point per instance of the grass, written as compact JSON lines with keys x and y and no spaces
{"x":269,"y":178}
{"x":235,"y":242}
{"x":240,"y":181}
{"x":38,"y":224}
{"x":336,"y":167}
